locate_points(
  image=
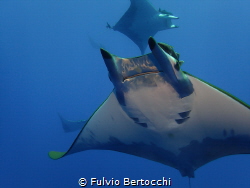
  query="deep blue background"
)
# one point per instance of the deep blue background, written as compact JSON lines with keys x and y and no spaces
{"x":48,"y":65}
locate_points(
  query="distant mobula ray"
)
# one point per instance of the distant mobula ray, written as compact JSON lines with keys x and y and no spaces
{"x":161,"y":113}
{"x":141,"y":21}
{"x":71,"y":126}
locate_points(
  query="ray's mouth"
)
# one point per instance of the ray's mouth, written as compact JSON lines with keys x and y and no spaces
{"x":141,"y":74}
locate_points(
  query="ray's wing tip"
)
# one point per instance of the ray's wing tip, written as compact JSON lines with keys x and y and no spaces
{"x":56,"y":155}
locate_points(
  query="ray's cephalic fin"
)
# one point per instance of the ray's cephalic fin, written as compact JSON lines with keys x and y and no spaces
{"x":114,"y":75}
{"x":169,"y":63}
{"x":165,"y":12}
{"x":170,"y":50}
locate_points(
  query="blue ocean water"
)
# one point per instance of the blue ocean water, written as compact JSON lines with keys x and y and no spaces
{"x":50,"y":63}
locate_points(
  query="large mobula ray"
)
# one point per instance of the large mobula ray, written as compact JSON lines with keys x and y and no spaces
{"x":161,"y":113}
{"x":141,"y":21}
